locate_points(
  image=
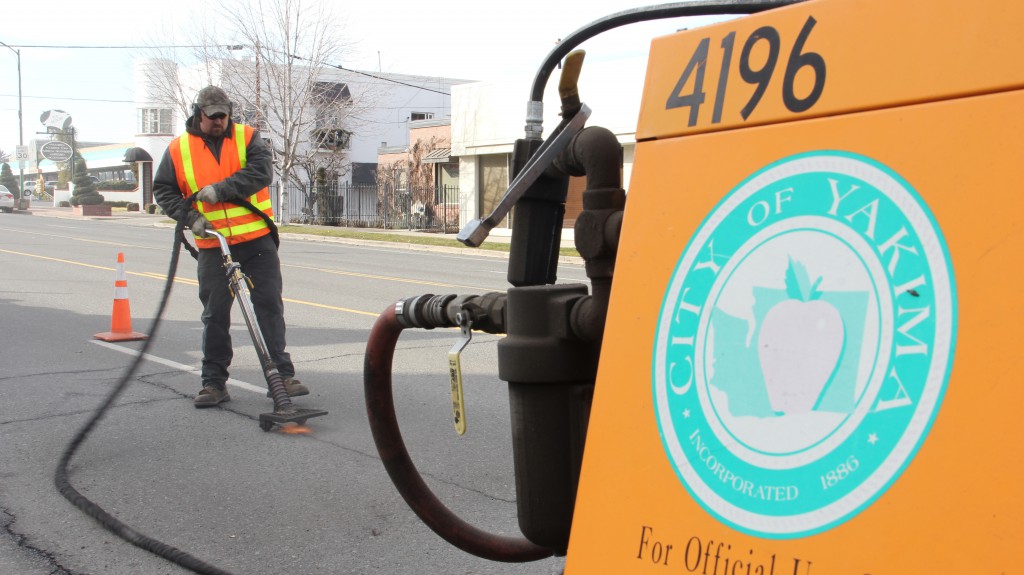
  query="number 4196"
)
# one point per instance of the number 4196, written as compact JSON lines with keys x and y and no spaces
{"x":759,"y":77}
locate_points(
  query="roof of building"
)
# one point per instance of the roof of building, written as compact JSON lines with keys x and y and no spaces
{"x":438,"y":156}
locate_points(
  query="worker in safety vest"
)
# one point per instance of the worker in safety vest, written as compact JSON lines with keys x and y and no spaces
{"x":227,"y":165}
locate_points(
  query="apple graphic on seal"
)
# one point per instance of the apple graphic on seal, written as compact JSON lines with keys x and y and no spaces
{"x":799,"y":345}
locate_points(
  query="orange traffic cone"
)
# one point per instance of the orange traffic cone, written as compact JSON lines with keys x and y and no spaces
{"x":121,"y":319}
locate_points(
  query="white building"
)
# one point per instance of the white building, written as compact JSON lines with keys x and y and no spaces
{"x":487,"y":118}
{"x":384,"y":104}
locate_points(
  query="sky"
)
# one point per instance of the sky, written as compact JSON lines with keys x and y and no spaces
{"x":465,"y":39}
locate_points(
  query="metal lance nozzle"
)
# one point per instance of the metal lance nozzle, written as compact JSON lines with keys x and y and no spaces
{"x":239,"y":284}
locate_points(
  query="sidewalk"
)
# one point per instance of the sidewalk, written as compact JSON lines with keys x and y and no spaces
{"x":41,"y":208}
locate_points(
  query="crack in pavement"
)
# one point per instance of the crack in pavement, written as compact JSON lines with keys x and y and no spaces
{"x":80,"y":412}
{"x":7,"y":521}
{"x":23,"y":542}
{"x":49,"y":373}
{"x":374,"y":455}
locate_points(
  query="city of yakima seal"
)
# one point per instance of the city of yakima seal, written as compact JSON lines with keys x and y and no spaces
{"x":804,"y":344}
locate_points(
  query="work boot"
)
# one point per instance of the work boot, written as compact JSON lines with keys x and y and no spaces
{"x":294,"y":388}
{"x":210,"y":396}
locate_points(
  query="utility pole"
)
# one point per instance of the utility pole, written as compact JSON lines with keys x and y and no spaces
{"x":259,"y":112}
{"x":21,"y":130}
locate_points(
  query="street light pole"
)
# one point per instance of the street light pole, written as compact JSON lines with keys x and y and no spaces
{"x":21,"y":130}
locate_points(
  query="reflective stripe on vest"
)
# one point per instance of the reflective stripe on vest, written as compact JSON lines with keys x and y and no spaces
{"x":240,"y":143}
{"x":237,"y":223}
{"x":186,"y":155}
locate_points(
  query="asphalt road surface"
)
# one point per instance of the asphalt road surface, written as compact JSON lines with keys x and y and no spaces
{"x":210,"y":482}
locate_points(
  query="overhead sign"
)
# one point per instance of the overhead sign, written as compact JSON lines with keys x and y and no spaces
{"x":56,"y":151}
{"x":58,"y":120}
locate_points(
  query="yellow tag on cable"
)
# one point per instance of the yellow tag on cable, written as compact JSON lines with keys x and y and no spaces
{"x":455,"y":373}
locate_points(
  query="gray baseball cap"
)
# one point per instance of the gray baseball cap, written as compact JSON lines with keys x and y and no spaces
{"x":212,"y":100}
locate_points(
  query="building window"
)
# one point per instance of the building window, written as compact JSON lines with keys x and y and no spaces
{"x":333,"y":140}
{"x":493,"y":183}
{"x":447,"y":175}
{"x":331,"y":102}
{"x":155,"y":121}
{"x":421,"y":116}
{"x":364,"y":173}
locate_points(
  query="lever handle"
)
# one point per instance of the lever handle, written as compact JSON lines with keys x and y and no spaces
{"x":476,"y":231}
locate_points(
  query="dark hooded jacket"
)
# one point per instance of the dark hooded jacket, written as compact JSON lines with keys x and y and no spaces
{"x":256,"y":175}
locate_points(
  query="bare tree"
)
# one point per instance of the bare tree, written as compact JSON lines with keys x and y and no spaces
{"x":165,"y":86}
{"x":407,"y":181}
{"x":273,"y":57}
{"x":325,"y":159}
{"x":176,"y":68}
{"x":410,"y":172}
{"x":293,"y":43}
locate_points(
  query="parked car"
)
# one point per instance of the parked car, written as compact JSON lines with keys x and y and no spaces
{"x":6,"y":199}
{"x":31,"y":185}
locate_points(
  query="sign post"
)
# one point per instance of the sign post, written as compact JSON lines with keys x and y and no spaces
{"x":21,"y":154}
{"x":21,"y":130}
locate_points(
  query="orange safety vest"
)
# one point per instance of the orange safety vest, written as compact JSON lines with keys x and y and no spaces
{"x":196,"y":167}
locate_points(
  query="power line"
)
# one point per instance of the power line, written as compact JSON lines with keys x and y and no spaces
{"x":376,"y":77}
{"x":229,"y":46}
{"x":70,"y":98}
{"x":119,"y":47}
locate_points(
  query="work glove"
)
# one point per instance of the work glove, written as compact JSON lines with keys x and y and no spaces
{"x":201,"y":226}
{"x":208,"y":195}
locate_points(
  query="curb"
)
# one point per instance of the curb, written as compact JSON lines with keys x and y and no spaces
{"x":158,"y":220}
{"x":571,"y":260}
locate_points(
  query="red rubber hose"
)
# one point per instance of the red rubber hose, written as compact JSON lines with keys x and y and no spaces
{"x":380,"y":407}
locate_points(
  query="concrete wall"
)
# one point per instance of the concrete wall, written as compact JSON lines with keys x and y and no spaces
{"x":387,"y":122}
{"x":134,"y":196}
{"x":155,"y":144}
{"x":439,"y":131}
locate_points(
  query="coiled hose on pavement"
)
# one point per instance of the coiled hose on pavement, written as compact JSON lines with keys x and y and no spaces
{"x":61,"y":476}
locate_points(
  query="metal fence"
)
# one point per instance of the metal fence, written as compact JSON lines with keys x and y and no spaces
{"x":369,"y":206}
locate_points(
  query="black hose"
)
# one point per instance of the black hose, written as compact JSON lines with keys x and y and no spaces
{"x":643,"y":14}
{"x":61,"y":476}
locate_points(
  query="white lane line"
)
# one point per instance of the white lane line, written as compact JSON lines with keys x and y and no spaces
{"x":180,"y":366}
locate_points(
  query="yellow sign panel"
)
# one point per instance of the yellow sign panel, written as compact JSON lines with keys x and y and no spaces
{"x":826,"y":57}
{"x":818,"y":354}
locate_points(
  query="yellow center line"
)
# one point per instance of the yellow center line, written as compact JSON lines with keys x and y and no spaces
{"x":56,"y":260}
{"x":79,"y":239}
{"x":336,"y":308}
{"x":187,"y":281}
{"x":388,"y":278}
{"x":151,"y":275}
{"x":312,"y":268}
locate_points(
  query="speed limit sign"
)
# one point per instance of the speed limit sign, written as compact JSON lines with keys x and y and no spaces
{"x":21,"y":153}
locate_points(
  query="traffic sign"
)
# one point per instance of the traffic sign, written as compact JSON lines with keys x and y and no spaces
{"x":21,"y":153}
{"x":56,"y":151}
